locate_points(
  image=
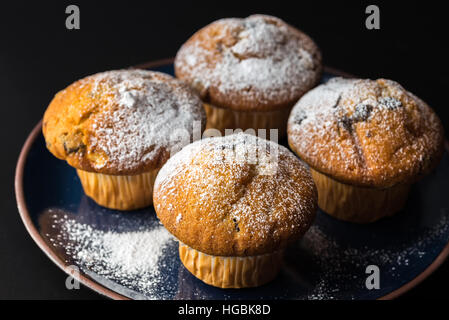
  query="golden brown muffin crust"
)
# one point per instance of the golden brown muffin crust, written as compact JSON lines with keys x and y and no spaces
{"x":121,"y":122}
{"x":231,"y":196}
{"x":370,"y":133}
{"x":259,"y":63}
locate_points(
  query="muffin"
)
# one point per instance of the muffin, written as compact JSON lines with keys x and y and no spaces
{"x":234,"y":203}
{"x":366,"y":142}
{"x":118,"y":128}
{"x":249,"y":72}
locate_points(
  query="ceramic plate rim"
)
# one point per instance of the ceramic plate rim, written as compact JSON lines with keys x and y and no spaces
{"x":95,"y":286}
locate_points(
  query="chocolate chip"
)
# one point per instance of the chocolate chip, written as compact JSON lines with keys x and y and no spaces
{"x":248,"y":88}
{"x":361,"y":112}
{"x":390,"y":103}
{"x":345,"y":122}
{"x":73,"y":149}
{"x":236,"y":225}
{"x":299,"y":117}
{"x":337,"y":102}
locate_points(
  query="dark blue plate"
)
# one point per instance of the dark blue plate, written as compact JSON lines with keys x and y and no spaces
{"x":328,"y":263}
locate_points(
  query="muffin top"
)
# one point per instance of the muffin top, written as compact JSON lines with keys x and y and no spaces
{"x":370,"y":133}
{"x":122,"y":122}
{"x":259,"y":63}
{"x":237,"y":195}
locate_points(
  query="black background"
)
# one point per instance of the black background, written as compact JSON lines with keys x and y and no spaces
{"x":39,"y":56}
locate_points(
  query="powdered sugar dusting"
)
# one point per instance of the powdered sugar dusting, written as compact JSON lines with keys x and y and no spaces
{"x":370,"y":132}
{"x":145,"y":114}
{"x":266,"y":61}
{"x":341,"y":266}
{"x":133,"y":259}
{"x":327,"y":263}
{"x":250,"y":186}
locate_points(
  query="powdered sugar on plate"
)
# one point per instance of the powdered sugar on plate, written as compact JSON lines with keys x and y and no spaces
{"x":131,"y":258}
{"x":342,"y":265}
{"x":328,"y":263}
{"x":140,"y":259}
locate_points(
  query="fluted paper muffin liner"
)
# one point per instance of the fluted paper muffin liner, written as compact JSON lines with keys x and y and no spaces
{"x":224,"y":118}
{"x":231,"y":272}
{"x":358,"y":204}
{"x":119,"y":192}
